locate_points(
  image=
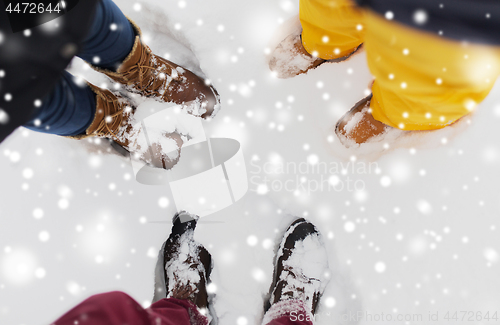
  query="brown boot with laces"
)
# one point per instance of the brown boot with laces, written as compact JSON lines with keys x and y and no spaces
{"x":114,"y":120}
{"x":150,"y":75}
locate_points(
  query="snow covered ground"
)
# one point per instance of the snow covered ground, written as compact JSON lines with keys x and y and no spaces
{"x":410,"y":231}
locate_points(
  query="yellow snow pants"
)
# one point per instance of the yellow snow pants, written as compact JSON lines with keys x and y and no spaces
{"x":423,"y":81}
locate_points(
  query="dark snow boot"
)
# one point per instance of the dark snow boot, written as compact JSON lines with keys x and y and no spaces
{"x":301,"y":271}
{"x":187,"y":264}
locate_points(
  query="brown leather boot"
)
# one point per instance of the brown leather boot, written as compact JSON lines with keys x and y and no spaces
{"x":358,"y":125}
{"x":114,"y":120}
{"x":301,"y":271}
{"x":153,"y":76}
{"x":290,"y":58}
{"x":187,"y":263}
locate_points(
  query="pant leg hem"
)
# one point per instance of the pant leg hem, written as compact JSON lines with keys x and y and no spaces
{"x":289,"y":308}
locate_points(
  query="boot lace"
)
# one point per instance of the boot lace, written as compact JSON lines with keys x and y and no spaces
{"x":153,"y":76}
{"x":104,"y":129}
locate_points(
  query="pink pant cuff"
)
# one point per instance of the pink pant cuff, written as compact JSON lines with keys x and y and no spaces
{"x":290,"y":311}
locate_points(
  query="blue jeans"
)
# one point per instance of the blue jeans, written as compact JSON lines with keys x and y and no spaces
{"x":70,"y":108}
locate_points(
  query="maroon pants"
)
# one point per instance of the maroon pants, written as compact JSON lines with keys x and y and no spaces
{"x":118,"y":308}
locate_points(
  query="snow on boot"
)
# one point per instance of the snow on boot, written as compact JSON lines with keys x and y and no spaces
{"x":358,"y":126}
{"x":301,"y":271}
{"x":187,"y":264}
{"x":114,"y":119}
{"x":290,"y":58}
{"x":153,"y":76}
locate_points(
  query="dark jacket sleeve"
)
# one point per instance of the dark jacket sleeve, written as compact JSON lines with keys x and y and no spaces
{"x":476,"y":21}
{"x":32,"y":64}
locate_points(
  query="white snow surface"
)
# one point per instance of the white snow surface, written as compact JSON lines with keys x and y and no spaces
{"x":73,"y":222}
